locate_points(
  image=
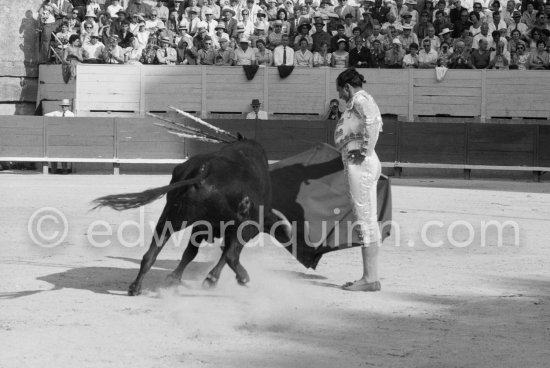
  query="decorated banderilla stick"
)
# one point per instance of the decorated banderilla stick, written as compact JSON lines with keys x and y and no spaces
{"x":202,"y":122}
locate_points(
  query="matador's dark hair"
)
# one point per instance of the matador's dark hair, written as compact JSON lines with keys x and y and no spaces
{"x":351,"y":77}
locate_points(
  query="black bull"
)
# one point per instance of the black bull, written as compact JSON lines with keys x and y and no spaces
{"x":220,"y":193}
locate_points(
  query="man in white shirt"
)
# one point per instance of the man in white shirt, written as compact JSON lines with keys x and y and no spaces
{"x":114,"y":8}
{"x":64,"y":113}
{"x":256,"y":113}
{"x":283,"y":54}
{"x":244,"y":55}
{"x":427,"y":57}
{"x":483,"y":35}
{"x":93,"y":50}
{"x":162,"y":10}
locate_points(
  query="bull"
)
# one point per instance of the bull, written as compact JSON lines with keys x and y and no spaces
{"x":224,"y":194}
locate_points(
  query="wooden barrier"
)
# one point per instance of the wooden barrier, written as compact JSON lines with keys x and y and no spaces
{"x":465,"y":146}
{"x":133,"y":90}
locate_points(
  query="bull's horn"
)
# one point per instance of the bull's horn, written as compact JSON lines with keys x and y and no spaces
{"x":287,"y":227}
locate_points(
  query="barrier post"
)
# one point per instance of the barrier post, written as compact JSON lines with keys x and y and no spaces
{"x":483,"y":113}
{"x":45,"y":148}
{"x":410,"y":115}
{"x":141,"y":92}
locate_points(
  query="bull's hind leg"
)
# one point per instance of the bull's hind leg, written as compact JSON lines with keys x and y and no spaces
{"x":233,"y":254}
{"x":188,"y":255}
{"x":163,"y":231}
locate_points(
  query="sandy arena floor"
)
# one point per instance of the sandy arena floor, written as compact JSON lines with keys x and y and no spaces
{"x":461,"y":305}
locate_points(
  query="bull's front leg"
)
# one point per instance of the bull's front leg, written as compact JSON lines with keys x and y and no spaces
{"x":164,"y":229}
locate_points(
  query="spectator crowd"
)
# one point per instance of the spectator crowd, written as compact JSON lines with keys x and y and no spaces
{"x":457,"y":34}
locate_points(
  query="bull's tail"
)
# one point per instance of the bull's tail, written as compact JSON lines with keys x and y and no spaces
{"x":126,"y":201}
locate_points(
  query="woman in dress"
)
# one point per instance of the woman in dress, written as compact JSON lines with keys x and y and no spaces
{"x":539,"y":58}
{"x":340,"y":57}
{"x":355,"y":137}
{"x":322,"y":58}
{"x":72,"y":56}
{"x":264,"y":56}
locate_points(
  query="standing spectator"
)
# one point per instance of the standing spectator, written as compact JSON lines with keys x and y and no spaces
{"x":303,"y":57}
{"x":46,"y":14}
{"x":166,"y":54}
{"x":359,"y":56}
{"x":427,"y":57}
{"x":411,"y":59}
{"x":480,"y":57}
{"x":319,"y":36}
{"x":264,"y":56}
{"x":460,"y":58}
{"x":340,"y":57}
{"x":377,"y":55}
{"x":539,"y":58}
{"x":92,"y":51}
{"x":500,"y":58}
{"x":256,"y":113}
{"x":244,"y":54}
{"x":206,"y":55}
{"x":283,"y":54}
{"x":394,"y":56}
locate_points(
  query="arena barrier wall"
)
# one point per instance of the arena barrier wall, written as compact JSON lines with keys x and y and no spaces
{"x":464,"y":146}
{"x":133,"y":90}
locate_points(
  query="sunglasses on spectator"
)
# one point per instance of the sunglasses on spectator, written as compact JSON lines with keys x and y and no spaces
{"x":208,"y":43}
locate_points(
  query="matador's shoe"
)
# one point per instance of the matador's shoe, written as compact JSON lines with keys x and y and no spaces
{"x":355,"y":286}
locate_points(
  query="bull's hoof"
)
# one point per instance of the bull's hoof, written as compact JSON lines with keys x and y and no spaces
{"x":173,"y":280}
{"x":209,"y":282}
{"x":243,"y":280}
{"x":134,"y":290}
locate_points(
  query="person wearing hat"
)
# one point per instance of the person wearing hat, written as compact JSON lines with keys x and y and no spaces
{"x":407,"y":38}
{"x":166,"y":55}
{"x":211,"y":24}
{"x":261,"y":18}
{"x":256,"y":113}
{"x":194,"y":20}
{"x":210,"y":6}
{"x":65,"y":112}
{"x":202,"y":33}
{"x":303,"y":34}
{"x":244,"y":54}
{"x":183,"y":36}
{"x":394,"y":56}
{"x":230,"y":22}
{"x":445,"y":36}
{"x":521,"y":27}
{"x":219,"y":34}
{"x":223,"y":56}
{"x":92,"y":51}
{"x":90,"y":18}
{"x":320,"y":36}
{"x":274,"y":39}
{"x":259,"y":34}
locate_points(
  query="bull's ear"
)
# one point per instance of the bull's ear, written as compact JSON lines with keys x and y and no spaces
{"x":241,"y":137}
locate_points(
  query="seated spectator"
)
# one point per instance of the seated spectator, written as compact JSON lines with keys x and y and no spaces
{"x":132,"y":54}
{"x":223,"y":56}
{"x":460,"y":58}
{"x":114,"y":8}
{"x":211,"y":6}
{"x":356,"y":33}
{"x":259,"y":34}
{"x":465,"y":38}
{"x":244,"y":54}
{"x":517,"y":24}
{"x":394,"y":57}
{"x":73,"y":24}
{"x":206,"y":54}
{"x":149,"y":53}
{"x":480,"y":57}
{"x":201,"y":34}
{"x":303,"y":30}
{"x":152,"y":23}
{"x":482,"y":35}
{"x":411,"y":60}
{"x":445,"y":36}
{"x":211,"y":24}
{"x":440,"y":22}
{"x":261,"y":18}
{"x":322,"y":57}
{"x":349,"y":25}
{"x":435,"y":42}
{"x":138,"y":7}
{"x":421,"y":28}
{"x":462,"y":24}
{"x":337,"y":37}
{"x":194,"y":20}
{"x":340,"y":57}
{"x":116,"y":25}
{"x":533,"y":38}
{"x":359,"y":56}
{"x":497,"y":24}
{"x":166,"y":55}
{"x":500,"y":58}
{"x":88,"y":32}
{"x":391,"y":35}
{"x":124,"y":36}
{"x":62,"y":37}
{"x":303,"y":57}
{"x":282,"y":15}
{"x":407,"y":19}
{"x":283,"y":54}
{"x":187,"y":54}
{"x":142,"y":35}
{"x":427,"y":57}
{"x":92,"y":51}
{"x":441,"y":7}
{"x":92,"y":6}
{"x":444,"y":55}
{"x":112,"y":52}
{"x":539,"y":58}
{"x":162,"y":11}
{"x":173,"y":23}
{"x":377,"y":55}
{"x":90,"y":18}
{"x":72,"y":56}
{"x":135,"y":21}
{"x":520,"y":57}
{"x":264,"y":56}
{"x":407,"y":38}
{"x":475,"y":28}
{"x":529,"y":15}
{"x":256,"y":113}
{"x":274,"y":39}
{"x":411,"y":12}
{"x":495,"y":39}
{"x":392,"y":22}
{"x":230,"y":22}
{"x":541,"y":24}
